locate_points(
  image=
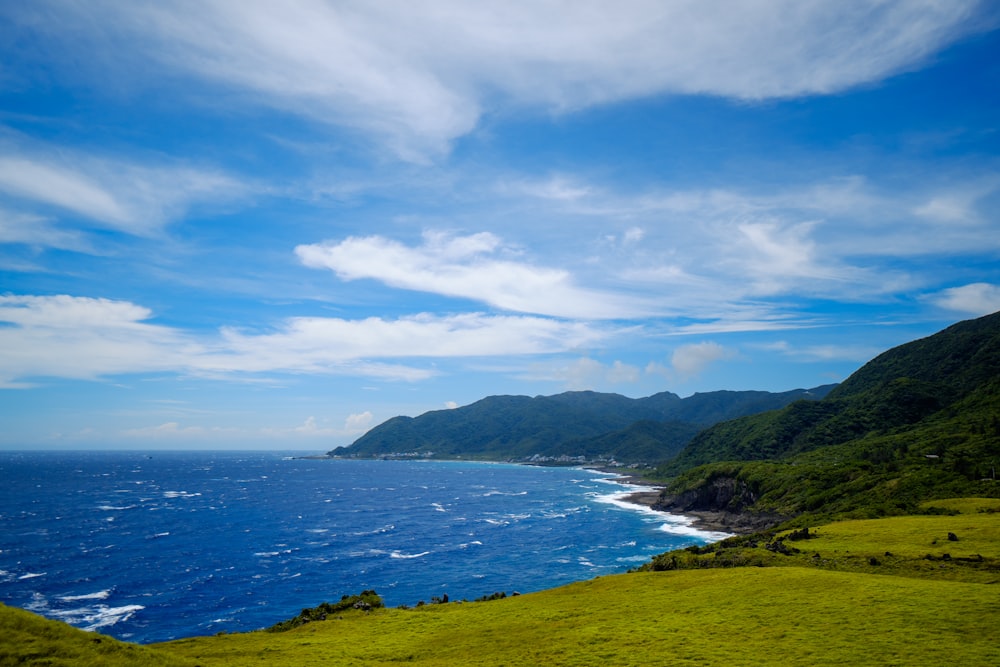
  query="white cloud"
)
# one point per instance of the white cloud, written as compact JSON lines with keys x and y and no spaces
{"x":585,"y":373}
{"x":79,"y":337}
{"x":19,"y":227}
{"x":174,"y":430}
{"x":419,"y":74}
{"x":312,"y":343}
{"x":466,"y":267}
{"x":975,"y":299}
{"x":633,"y":235}
{"x":451,"y":405}
{"x":691,"y":360}
{"x":857,"y":353}
{"x":358,"y":422}
{"x":108,"y":192}
{"x":713,"y":253}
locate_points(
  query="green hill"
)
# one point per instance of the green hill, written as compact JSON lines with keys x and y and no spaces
{"x":573,"y":424}
{"x":919,"y":421}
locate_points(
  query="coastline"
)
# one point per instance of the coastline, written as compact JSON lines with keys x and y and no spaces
{"x":724,"y":523}
{"x":647,"y":495}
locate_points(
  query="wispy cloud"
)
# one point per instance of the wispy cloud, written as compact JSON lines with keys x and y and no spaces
{"x":468,"y":267}
{"x":419,"y":76}
{"x":47,"y":190}
{"x":78,"y":337}
{"x":975,"y":299}
{"x":722,"y":249}
{"x":691,"y":360}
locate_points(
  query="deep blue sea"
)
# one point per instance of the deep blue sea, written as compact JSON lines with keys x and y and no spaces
{"x":155,"y":546}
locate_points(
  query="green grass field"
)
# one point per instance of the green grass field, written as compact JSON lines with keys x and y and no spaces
{"x":939,"y":612}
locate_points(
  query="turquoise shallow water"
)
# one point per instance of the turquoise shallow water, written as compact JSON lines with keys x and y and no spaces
{"x":150,"y":547}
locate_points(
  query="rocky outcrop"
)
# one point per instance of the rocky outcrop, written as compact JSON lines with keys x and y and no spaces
{"x":722,"y":503}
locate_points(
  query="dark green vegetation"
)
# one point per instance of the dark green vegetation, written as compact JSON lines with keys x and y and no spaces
{"x":919,"y":422}
{"x":581,"y":425}
{"x":365,"y":601}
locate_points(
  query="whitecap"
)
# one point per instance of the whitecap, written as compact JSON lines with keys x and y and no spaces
{"x":114,"y":508}
{"x":681,"y":525}
{"x":438,"y":507}
{"x":632,"y":559}
{"x":179,"y":494}
{"x":99,"y":595}
{"x":32,"y":575}
{"x":98,"y":616}
{"x":399,"y":554}
{"x":377,"y":531}
{"x":677,"y":524}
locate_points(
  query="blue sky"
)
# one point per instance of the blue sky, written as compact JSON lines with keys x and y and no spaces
{"x":275,"y":225}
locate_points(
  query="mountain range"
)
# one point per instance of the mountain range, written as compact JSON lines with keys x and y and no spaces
{"x":579,"y":425}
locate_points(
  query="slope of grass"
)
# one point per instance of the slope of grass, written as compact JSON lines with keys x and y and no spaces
{"x":964,"y":547}
{"x":747,"y":616}
{"x":28,"y":639}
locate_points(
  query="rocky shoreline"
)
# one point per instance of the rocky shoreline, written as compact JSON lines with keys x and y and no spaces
{"x":741,"y":523}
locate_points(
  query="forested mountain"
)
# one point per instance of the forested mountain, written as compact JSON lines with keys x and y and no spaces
{"x":584,"y":424}
{"x":920,"y":421}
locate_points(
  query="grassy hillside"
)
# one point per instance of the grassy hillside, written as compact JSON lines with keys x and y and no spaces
{"x":29,"y":639}
{"x":835,"y":609}
{"x":749,"y":616}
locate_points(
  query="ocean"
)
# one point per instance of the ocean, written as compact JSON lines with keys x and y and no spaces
{"x":150,"y":547}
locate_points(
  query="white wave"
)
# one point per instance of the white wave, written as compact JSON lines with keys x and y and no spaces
{"x":438,"y":507}
{"x":179,"y":494}
{"x":676,"y":524}
{"x":97,"y":616}
{"x":99,"y":595}
{"x":399,"y":554}
{"x":318,"y":530}
{"x":497,"y":522}
{"x":32,"y":575}
{"x":377,"y":531}
{"x":494,"y":492}
{"x":473,"y":543}
{"x":114,"y":508}
{"x":681,"y":525}
{"x":267,"y":554}
{"x":633,"y":559}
